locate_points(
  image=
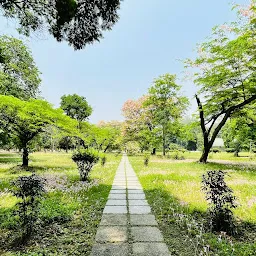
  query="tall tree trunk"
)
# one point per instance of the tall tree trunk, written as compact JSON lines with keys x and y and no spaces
{"x":25,"y":157}
{"x":163,"y":141}
{"x":205,"y":154}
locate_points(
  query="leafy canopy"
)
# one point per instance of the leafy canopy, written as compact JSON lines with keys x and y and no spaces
{"x":26,"y":119}
{"x":79,"y":22}
{"x":19,"y":75}
{"x":76,"y":107}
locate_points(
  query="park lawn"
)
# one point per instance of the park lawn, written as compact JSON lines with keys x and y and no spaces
{"x":173,"y":189}
{"x":70,"y":212}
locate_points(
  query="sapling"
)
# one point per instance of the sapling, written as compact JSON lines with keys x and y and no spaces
{"x":221,"y":202}
{"x":29,"y":189}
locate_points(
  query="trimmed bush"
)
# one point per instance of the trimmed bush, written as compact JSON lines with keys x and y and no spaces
{"x":221,"y":202}
{"x":85,"y":160}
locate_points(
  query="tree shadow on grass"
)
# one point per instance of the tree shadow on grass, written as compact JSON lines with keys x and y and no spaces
{"x":227,"y":166}
{"x":180,"y":225}
{"x":69,"y":221}
{"x":10,"y":160}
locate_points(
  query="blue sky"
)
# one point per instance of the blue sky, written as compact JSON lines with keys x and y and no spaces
{"x":149,"y":39}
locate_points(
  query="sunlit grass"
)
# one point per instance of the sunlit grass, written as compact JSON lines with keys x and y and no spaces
{"x":70,"y":211}
{"x":182,"y":180}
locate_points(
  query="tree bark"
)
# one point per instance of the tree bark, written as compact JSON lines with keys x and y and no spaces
{"x":153,"y":151}
{"x":163,"y":141}
{"x":204,"y":156}
{"x":25,"y":157}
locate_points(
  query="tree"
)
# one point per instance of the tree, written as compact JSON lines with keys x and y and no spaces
{"x":24,"y":120}
{"x":138,"y":125}
{"x":166,"y":106}
{"x":76,"y":107}
{"x":240,"y":131}
{"x":19,"y":75}
{"x":111,"y":132}
{"x":79,"y":22}
{"x":226,"y":77}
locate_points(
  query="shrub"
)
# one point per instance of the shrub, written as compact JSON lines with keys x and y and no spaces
{"x":103,"y":159}
{"x":29,"y":189}
{"x":215,"y":150}
{"x":146,"y":159}
{"x":221,"y":200}
{"x":132,"y":148}
{"x":230,"y":150}
{"x":178,"y":155}
{"x":85,"y":159}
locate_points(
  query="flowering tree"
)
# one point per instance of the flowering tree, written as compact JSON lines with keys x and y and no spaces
{"x":138,"y":125}
{"x":225,"y":73}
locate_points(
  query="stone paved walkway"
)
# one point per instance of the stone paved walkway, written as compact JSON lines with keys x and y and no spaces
{"x":127,"y":226}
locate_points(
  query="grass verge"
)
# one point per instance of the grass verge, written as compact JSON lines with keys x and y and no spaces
{"x":70,"y":212}
{"x":174,"y":192}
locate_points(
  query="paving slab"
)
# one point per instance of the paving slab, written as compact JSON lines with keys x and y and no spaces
{"x":115,"y":209}
{"x":117,"y":196}
{"x":118,"y":191}
{"x":114,"y":220}
{"x":118,"y":187}
{"x":146,"y":234}
{"x":116,"y":202}
{"x":136,"y":196}
{"x":137,"y":209}
{"x":135,"y":191}
{"x":110,"y":250}
{"x":118,"y":225}
{"x":143,"y":220}
{"x":150,"y":249}
{"x":111,"y":234}
{"x":138,"y":202}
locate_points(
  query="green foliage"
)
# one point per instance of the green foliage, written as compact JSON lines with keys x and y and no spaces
{"x":24,"y":120}
{"x":221,"y":200}
{"x":77,"y":22}
{"x":105,"y":136}
{"x":146,"y":159}
{"x":76,"y":107}
{"x":132,"y":148}
{"x":19,"y":75}
{"x":103,"y":159}
{"x":29,"y":189}
{"x":166,"y":106}
{"x":225,"y":72}
{"x":178,"y":155}
{"x":240,"y":131}
{"x":85,"y":160}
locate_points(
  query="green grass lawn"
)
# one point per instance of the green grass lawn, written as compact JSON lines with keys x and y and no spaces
{"x":70,"y":212}
{"x":173,"y":190}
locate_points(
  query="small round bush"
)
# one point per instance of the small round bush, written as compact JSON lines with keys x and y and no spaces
{"x":85,"y":160}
